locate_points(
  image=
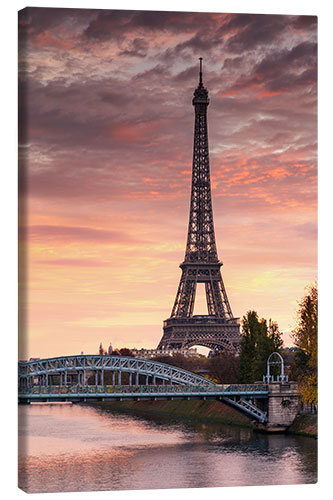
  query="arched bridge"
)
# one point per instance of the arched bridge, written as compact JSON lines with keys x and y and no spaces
{"x":76,"y":369}
{"x":105,"y":378}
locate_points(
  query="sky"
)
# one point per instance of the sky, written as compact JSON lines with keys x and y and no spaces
{"x":105,"y":147}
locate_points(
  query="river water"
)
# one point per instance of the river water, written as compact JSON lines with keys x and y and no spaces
{"x":65,"y":447}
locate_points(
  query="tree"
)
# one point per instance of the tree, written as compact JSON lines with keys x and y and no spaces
{"x":124,"y":351}
{"x":289,"y":357}
{"x":195,"y":364}
{"x":176,"y":360}
{"x":305,"y":338}
{"x":258,"y":342}
{"x":224,"y":367}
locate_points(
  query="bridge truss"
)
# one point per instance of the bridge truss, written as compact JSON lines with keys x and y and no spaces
{"x":71,"y":373}
{"x":39,"y":372}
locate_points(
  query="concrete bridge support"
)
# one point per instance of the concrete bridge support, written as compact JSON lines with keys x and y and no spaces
{"x":282,"y":407}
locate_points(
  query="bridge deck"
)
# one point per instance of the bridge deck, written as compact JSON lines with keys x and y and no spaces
{"x":119,"y":392}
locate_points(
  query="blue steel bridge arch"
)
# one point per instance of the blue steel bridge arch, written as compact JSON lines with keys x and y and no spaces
{"x":69,"y":367}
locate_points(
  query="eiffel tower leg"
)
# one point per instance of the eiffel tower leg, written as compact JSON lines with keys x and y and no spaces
{"x":210,"y":298}
{"x":179,"y":295}
{"x":223,"y":294}
{"x":184,"y":303}
{"x":189,"y":296}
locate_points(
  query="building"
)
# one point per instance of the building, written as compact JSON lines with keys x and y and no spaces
{"x":152,"y":353}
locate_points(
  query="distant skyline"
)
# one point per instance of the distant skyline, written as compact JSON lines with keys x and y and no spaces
{"x":107,"y":142}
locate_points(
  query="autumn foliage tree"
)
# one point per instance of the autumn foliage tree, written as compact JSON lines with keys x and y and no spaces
{"x":305,"y":338}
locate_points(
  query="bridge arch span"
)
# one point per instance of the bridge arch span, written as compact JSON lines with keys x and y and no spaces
{"x":38,"y":372}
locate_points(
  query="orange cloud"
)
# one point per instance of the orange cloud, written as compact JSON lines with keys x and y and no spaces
{"x":269,"y":93}
{"x":47,"y":39}
{"x":279,"y":173}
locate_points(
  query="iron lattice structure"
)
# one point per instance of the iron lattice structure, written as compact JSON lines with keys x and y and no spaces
{"x":218,"y":330}
{"x":78,"y":368}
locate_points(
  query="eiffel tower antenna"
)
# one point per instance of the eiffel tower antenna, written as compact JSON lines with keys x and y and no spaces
{"x":218,"y":330}
{"x":200,"y":74}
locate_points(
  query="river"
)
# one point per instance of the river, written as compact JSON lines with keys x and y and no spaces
{"x":64,"y":447}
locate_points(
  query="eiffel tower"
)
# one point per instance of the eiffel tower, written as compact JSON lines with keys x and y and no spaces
{"x":218,"y":330}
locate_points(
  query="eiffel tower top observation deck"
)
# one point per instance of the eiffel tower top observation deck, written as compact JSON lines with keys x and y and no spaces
{"x":218,"y":329}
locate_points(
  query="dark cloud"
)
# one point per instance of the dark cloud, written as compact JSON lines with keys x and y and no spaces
{"x":137,"y":48}
{"x":78,"y":114}
{"x":188,"y":74}
{"x":128,"y":133}
{"x":259,"y":29}
{"x":159,"y":71}
{"x":116,"y":98}
{"x":268,"y":75}
{"x":33,"y":21}
{"x":303,"y":54}
{"x":110,"y":24}
{"x":305,"y":23}
{"x":232,"y":63}
{"x":238,"y":21}
{"x":201,"y":41}
{"x":283,"y":83}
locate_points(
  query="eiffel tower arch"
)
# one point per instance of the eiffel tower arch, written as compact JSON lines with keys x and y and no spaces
{"x":218,"y":330}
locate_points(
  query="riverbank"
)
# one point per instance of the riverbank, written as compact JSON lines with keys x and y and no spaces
{"x":305,"y":425}
{"x":204,"y":411}
{"x":198,"y":410}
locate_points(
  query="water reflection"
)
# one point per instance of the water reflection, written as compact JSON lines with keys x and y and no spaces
{"x":82,"y":448}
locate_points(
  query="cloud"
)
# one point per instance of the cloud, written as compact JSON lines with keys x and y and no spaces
{"x":110,"y":24}
{"x":201,"y":42}
{"x":35,"y":24}
{"x":76,"y":234}
{"x":189,"y":74}
{"x":72,"y":263}
{"x":305,"y":23}
{"x":233,"y":63}
{"x":258,"y":30}
{"x":300,"y":64}
{"x":136,"y":48}
{"x":307,"y":230}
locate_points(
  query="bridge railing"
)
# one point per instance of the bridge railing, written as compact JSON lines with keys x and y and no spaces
{"x":144,"y":389}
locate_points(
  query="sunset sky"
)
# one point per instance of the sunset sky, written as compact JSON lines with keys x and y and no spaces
{"x":106,"y":137}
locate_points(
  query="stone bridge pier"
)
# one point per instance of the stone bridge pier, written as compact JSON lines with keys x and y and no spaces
{"x":282,"y":406}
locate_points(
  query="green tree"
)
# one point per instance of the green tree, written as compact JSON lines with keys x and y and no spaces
{"x":306,"y":339}
{"x":258,"y":342}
